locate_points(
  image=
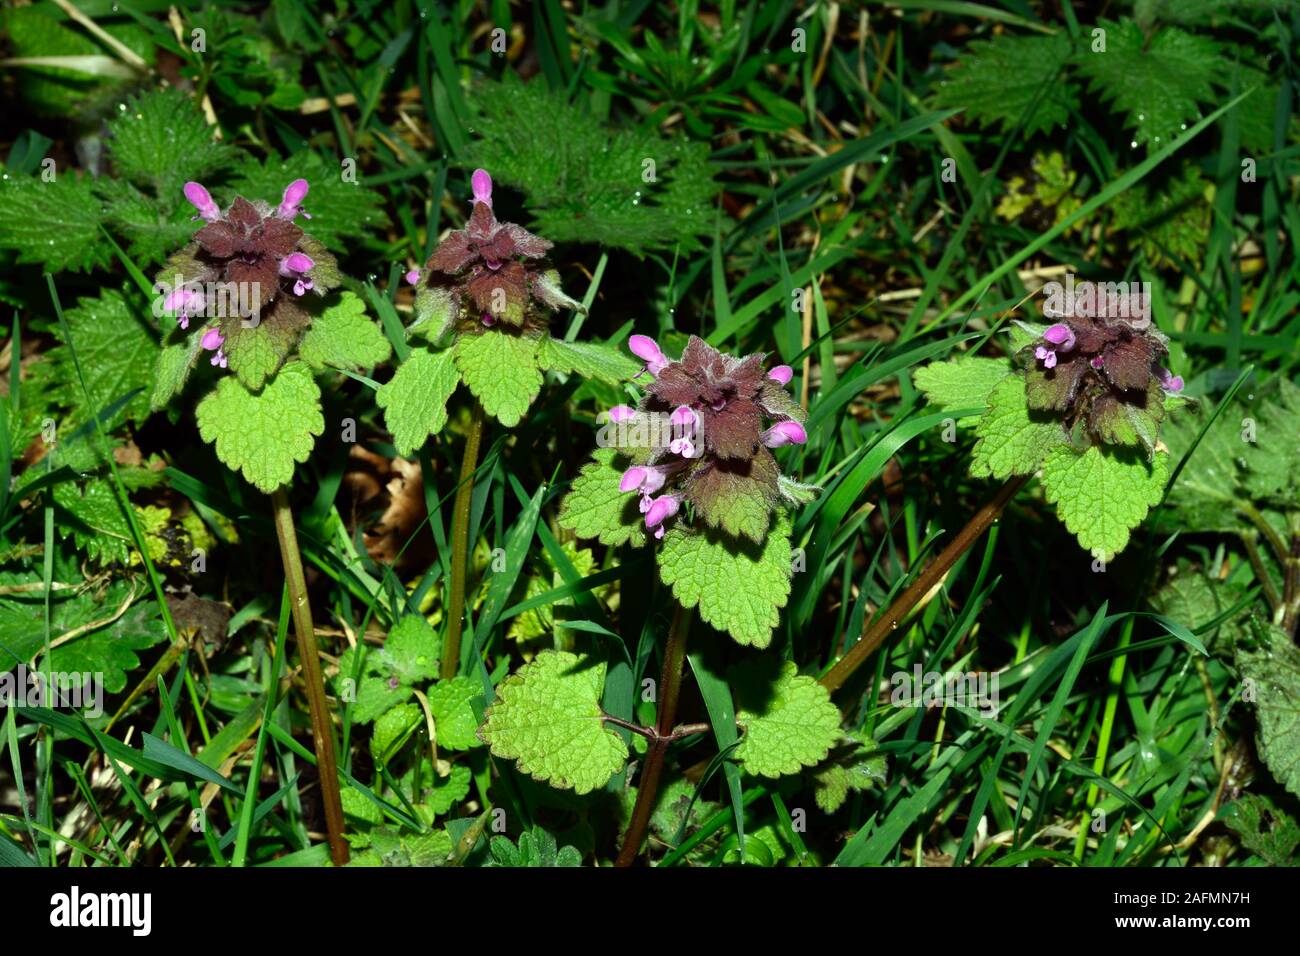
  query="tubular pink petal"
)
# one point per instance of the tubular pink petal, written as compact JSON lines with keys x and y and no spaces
{"x":413,"y":277}
{"x":202,"y":201}
{"x":621,"y":413}
{"x":481,"y":183}
{"x":212,"y":339}
{"x":1061,"y":336}
{"x":654,"y":480}
{"x":661,"y":509}
{"x":646,"y":349}
{"x":785,"y":433}
{"x":632,"y":478}
{"x":782,"y":374}
{"x":294,"y":194}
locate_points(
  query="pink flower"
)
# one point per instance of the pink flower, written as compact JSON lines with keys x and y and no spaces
{"x":1046,"y":356}
{"x":1061,"y":336}
{"x":643,"y":478}
{"x":661,"y":509}
{"x":1169,"y":382}
{"x":184,"y":302}
{"x":785,"y":433}
{"x":782,"y":374}
{"x":213,"y":341}
{"x":481,"y":183}
{"x":489,"y":320}
{"x":202,"y":201}
{"x":646,"y":349}
{"x":413,"y":277}
{"x":294,"y":266}
{"x":621,"y":413}
{"x":294,"y":194}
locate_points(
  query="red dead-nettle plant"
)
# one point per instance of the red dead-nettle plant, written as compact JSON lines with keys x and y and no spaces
{"x":251,"y":291}
{"x":482,"y":307}
{"x":689,"y":472}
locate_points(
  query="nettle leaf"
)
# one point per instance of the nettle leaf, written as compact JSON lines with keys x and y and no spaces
{"x":100,"y":529}
{"x":341,"y":211}
{"x":1271,"y":663}
{"x":1012,"y":440}
{"x":535,"y":139}
{"x":173,"y":367}
{"x":1101,"y":496}
{"x":152,"y":227}
{"x":54,"y":224}
{"x":112,"y":651}
{"x":788,"y":719}
{"x":854,"y":764}
{"x":116,"y":351}
{"x":1272,"y":460}
{"x":392,"y":728}
{"x":1195,"y":599}
{"x":606,"y":363}
{"x":445,"y":792}
{"x":162,"y":140}
{"x":414,"y":400}
{"x":501,"y":370}
{"x":738,"y":586}
{"x":1206,"y":494}
{"x":547,"y":717}
{"x":997,"y":81}
{"x":453,"y":717}
{"x":264,"y":435}
{"x":109,"y":627}
{"x":256,"y":352}
{"x":537,"y":848}
{"x":596,"y":508}
{"x":1264,"y":828}
{"x":374,"y":692}
{"x":1158,"y":84}
{"x":411,"y":650}
{"x":961,"y":383}
{"x":343,"y":336}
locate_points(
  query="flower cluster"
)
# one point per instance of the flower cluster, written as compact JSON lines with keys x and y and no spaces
{"x":725,"y":413}
{"x":245,"y":268}
{"x":486,"y":273}
{"x":1104,"y":375}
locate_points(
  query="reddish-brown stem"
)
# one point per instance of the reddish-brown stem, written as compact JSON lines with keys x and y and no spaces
{"x":312,"y":677}
{"x":670,"y":686}
{"x":460,"y":543}
{"x":919,"y":588}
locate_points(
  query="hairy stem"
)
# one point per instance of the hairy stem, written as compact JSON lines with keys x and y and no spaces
{"x":670,"y":686}
{"x":919,"y":588}
{"x":1291,"y":577}
{"x":460,"y":543}
{"x":313,"y":679}
{"x":1250,"y":541}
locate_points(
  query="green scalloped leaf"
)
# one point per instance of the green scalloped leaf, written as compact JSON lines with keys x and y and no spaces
{"x":607,"y":363}
{"x":392,"y":727}
{"x":264,"y":435}
{"x":961,"y":383}
{"x":343,"y":336}
{"x":547,"y":717}
{"x":501,"y":370}
{"x":414,"y":400}
{"x":411,"y":650}
{"x":172,"y":369}
{"x":1010,"y":441}
{"x":1271,"y":662}
{"x":738,"y":586}
{"x":1101,"y":496}
{"x":788,"y":719}
{"x":595,"y":508}
{"x":453,"y":717}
